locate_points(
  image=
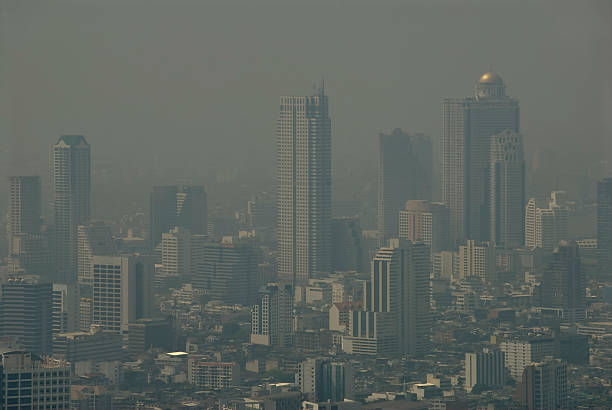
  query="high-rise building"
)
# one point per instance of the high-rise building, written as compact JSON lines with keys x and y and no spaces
{"x":60,"y":308}
{"x":261,"y":211}
{"x":544,"y":386}
{"x":485,"y":370}
{"x":563,"y":283}
{"x":192,"y":209}
{"x":347,"y":253}
{"x":272,"y":316}
{"x":404,"y":173}
{"x":396,"y":315}
{"x":604,"y":225}
{"x":304,"y":187}
{"x":122,"y":290}
{"x":176,"y":252}
{"x":546,"y":227}
{"x":27,"y":246}
{"x":229,"y":271}
{"x":322,"y":380}
{"x":162,"y":212}
{"x":507,"y":190}
{"x":427,"y":222}
{"x":477,"y":260}
{"x":95,"y":238}
{"x":42,"y":383}
{"x":72,"y":200}
{"x":467,"y":127}
{"x":26,"y":313}
{"x":520,"y":353}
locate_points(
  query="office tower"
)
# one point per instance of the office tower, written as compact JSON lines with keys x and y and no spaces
{"x":59,"y":308}
{"x":520,"y":353}
{"x":604,"y":225}
{"x":34,"y":376}
{"x":404,"y":172}
{"x":272,"y":316}
{"x":477,"y":260}
{"x":192,"y":209}
{"x":147,"y":333}
{"x":322,"y":380}
{"x":544,"y":386}
{"x":72,"y":196}
{"x":427,"y":222}
{"x":229,"y":272}
{"x":467,"y":126}
{"x":176,"y":252}
{"x":507,"y":190}
{"x":122,"y":290}
{"x":26,"y":313}
{"x":95,"y":238}
{"x":162,"y":212}
{"x":347,"y":253}
{"x":27,"y":246}
{"x":396,"y":315}
{"x":563,"y":283}
{"x":485,"y":370}
{"x":304,"y":187}
{"x":95,"y":345}
{"x":212,"y":375}
{"x":545,"y":227}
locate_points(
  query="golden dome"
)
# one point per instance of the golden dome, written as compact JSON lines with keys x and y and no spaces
{"x":490,"y":78}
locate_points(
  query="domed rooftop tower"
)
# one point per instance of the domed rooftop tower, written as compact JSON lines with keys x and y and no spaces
{"x":490,"y":84}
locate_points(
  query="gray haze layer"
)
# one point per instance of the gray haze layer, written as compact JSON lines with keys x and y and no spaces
{"x":170,"y":89}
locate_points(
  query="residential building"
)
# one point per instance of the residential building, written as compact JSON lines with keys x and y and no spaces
{"x":404,"y":173}
{"x":477,"y":260}
{"x":212,"y":375}
{"x":26,"y":313}
{"x":520,"y":353}
{"x":304,"y":187}
{"x":272,"y":316}
{"x":546,"y":227}
{"x":467,"y":126}
{"x":322,"y":380}
{"x":427,"y":222}
{"x":485,"y":370}
{"x":507,"y":190}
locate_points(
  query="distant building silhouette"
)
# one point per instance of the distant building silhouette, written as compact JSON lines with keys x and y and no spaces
{"x":604,"y":225}
{"x":545,"y":227}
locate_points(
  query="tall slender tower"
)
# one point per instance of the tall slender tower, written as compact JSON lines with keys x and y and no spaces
{"x":467,"y":127}
{"x":72,"y":190}
{"x":304,"y":187}
{"x":604,"y":225}
{"x":404,"y":173}
{"x":507,"y":190}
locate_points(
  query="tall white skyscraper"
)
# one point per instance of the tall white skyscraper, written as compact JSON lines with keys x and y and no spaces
{"x":546,"y":227}
{"x":507,"y":190}
{"x":304,"y":187}
{"x":467,"y":127}
{"x":72,"y":197}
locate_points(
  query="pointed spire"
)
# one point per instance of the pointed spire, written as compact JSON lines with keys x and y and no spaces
{"x":322,"y":87}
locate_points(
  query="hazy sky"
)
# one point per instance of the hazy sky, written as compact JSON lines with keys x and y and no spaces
{"x":195,"y":84}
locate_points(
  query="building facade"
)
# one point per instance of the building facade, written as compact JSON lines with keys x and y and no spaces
{"x":604,"y":226}
{"x":322,"y":380}
{"x":272,"y":316}
{"x":485,"y":369}
{"x":304,"y":187}
{"x":427,"y":222}
{"x":546,"y":227}
{"x":544,"y":386}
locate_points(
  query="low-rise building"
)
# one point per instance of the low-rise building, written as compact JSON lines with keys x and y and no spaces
{"x":212,"y":375}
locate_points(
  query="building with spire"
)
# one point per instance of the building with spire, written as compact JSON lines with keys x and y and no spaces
{"x":468,"y":125}
{"x":304,"y":187}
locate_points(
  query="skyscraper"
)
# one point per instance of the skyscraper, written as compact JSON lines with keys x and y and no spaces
{"x":544,"y":386}
{"x":322,"y":380}
{"x":477,"y":260}
{"x":545,"y":227}
{"x":485,"y":369}
{"x":162,"y":212}
{"x":95,"y":238}
{"x":604,"y":225}
{"x":271,"y":316}
{"x":304,"y":187}
{"x":507,"y":190}
{"x":427,"y":222}
{"x":404,"y":173}
{"x":72,"y":196}
{"x":26,"y":313}
{"x":563,"y":283}
{"x":192,"y":209}
{"x":467,"y":127}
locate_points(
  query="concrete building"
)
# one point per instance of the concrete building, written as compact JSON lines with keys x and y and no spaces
{"x":59,"y":308}
{"x":396,"y":313}
{"x":71,"y":158}
{"x":507,"y":190}
{"x":520,"y":353}
{"x":147,"y":333}
{"x":162,"y":212}
{"x":546,"y":227}
{"x":212,"y":375}
{"x":339,"y":316}
{"x":122,"y":290}
{"x":427,"y":222}
{"x":347,"y":253}
{"x":404,"y":173}
{"x":272,"y":317}
{"x":477,"y":260}
{"x":564,"y":284}
{"x":35,"y":377}
{"x":544,"y":386}
{"x":26,"y":313}
{"x":604,"y":226}
{"x":467,"y":127}
{"x":176,"y":252}
{"x":97,"y":345}
{"x":229,"y":271}
{"x":485,"y":370}
{"x":322,"y":380}
{"x":95,"y":238}
{"x":304,"y":187}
